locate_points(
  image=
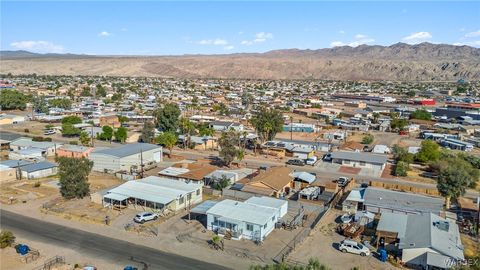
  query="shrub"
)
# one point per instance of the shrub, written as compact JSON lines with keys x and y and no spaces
{"x":37,"y":184}
{"x":367,"y":139}
{"x":401,"y":169}
{"x":26,"y":130}
{"x":6,"y":239}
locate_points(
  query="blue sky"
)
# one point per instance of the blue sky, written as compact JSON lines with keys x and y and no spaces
{"x":172,"y":28}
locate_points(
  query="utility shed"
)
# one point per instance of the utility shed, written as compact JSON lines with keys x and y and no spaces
{"x":122,"y":158}
{"x":38,"y":170}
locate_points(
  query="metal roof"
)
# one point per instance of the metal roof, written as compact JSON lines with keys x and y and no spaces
{"x":304,"y":176}
{"x":127,"y":149}
{"x":360,"y":156}
{"x":15,"y":163}
{"x":241,"y":211}
{"x":267,"y":202}
{"x":38,"y":166}
{"x":393,"y":222}
{"x":203,"y":207}
{"x":27,"y":142}
{"x":154,"y":189}
{"x":115,"y":196}
{"x":401,"y":201}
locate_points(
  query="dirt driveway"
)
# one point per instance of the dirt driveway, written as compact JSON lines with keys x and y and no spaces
{"x":323,"y":243}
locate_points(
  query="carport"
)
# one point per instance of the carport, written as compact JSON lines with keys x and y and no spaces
{"x":201,"y":209}
{"x":115,"y":200}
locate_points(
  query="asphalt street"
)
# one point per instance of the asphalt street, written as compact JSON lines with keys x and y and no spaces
{"x":97,"y":246}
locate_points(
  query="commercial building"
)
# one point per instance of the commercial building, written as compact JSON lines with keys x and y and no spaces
{"x":125,"y":157}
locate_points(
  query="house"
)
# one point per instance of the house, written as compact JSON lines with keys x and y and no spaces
{"x":231,"y":175}
{"x":302,"y":179}
{"x":199,"y":142}
{"x":38,"y":170}
{"x":34,"y":154}
{"x":75,"y":151}
{"x":456,"y":145}
{"x":381,"y":149}
{"x":225,"y":125}
{"x":154,"y":193}
{"x":125,"y":157}
{"x":426,"y":241}
{"x":253,"y":219}
{"x":11,"y":119}
{"x":110,"y":120}
{"x":299,"y":127}
{"x":378,"y":200}
{"x":275,"y":181}
{"x":359,"y":160}
{"x":48,"y":148}
{"x":195,"y":172}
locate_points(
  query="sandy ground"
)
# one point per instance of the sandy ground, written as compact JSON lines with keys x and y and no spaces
{"x":322,"y":244}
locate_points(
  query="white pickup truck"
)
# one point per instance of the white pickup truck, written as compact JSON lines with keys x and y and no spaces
{"x":311,"y":160}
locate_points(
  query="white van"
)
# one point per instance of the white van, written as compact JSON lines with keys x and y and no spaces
{"x":311,"y":160}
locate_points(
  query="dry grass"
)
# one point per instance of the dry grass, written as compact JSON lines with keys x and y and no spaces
{"x":471,"y":247}
{"x":414,"y":175}
{"x":100,"y":181}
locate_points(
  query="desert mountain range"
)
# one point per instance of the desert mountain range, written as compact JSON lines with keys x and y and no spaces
{"x":398,"y":62}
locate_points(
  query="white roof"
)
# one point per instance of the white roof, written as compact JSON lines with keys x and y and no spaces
{"x":154,"y":189}
{"x":267,"y":202}
{"x":173,"y":171}
{"x":305,"y":176}
{"x":356,"y":195}
{"x":242,"y":211}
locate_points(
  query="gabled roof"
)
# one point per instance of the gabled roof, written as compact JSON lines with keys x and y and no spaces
{"x":127,"y":150}
{"x":275,"y":178}
{"x":15,"y":163}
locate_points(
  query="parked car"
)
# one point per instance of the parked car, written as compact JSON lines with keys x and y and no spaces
{"x":311,"y":160}
{"x":346,"y":218}
{"x":327,"y":157}
{"x":343,"y":181}
{"x":354,"y":247}
{"x":144,"y":217}
{"x":296,"y":162}
{"x":48,"y":132}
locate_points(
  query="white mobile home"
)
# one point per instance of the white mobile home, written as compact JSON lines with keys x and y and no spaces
{"x":122,"y":158}
{"x":253,"y":219}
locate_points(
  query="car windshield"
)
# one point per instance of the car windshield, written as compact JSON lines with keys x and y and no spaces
{"x":360,"y":246}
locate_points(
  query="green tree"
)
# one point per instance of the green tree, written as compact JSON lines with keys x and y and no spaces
{"x":421,"y":114}
{"x":40,"y":105}
{"x":63,"y":103}
{"x":12,"y":100}
{"x":168,"y":117}
{"x":430,"y":151}
{"x":148,"y":133}
{"x":453,"y":180}
{"x":228,"y":146}
{"x":121,"y":134}
{"x":84,"y":139}
{"x":73,"y":176}
{"x":100,"y":92}
{"x":6,"y":239}
{"x":72,"y":119}
{"x":123,"y":119}
{"x":68,"y":130}
{"x":401,"y":168}
{"x":86,"y":92}
{"x":367,"y":139}
{"x":398,"y":123}
{"x":167,"y":139}
{"x":267,"y":123}
{"x":107,"y":133}
{"x":221,"y":183}
{"x":402,"y":154}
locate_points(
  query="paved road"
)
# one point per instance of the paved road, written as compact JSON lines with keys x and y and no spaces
{"x":97,"y":246}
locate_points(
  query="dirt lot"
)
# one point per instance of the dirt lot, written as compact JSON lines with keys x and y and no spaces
{"x":100,"y":181}
{"x":26,"y":190}
{"x":323,"y":246}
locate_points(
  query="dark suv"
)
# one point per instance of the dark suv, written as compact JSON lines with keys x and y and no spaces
{"x":296,"y":162}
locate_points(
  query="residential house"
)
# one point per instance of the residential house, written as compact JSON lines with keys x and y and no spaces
{"x":195,"y":171}
{"x":253,"y":219}
{"x":154,"y":193}
{"x":125,"y":157}
{"x":75,"y":151}
{"x":11,"y":119}
{"x":426,"y":241}
{"x":360,"y":160}
{"x":225,"y":126}
{"x":110,"y":120}
{"x":275,"y":181}
{"x":38,"y":170}
{"x":47,"y":148}
{"x":199,"y":142}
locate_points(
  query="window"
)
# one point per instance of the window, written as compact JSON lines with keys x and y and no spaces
{"x":265,"y":226}
{"x":346,"y":162}
{"x":198,"y":192}
{"x":362,"y":163}
{"x":250,"y":227}
{"x":181,"y":200}
{"x":189,"y":196}
{"x":273,"y":218}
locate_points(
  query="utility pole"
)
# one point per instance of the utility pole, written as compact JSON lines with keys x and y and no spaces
{"x":141,"y":163}
{"x":91,"y":129}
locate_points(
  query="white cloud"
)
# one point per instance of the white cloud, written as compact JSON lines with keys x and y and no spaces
{"x":473,"y":34}
{"x":228,"y":48}
{"x":104,"y":34}
{"x":417,"y":37}
{"x":259,"y":38}
{"x":358,"y":40}
{"x":38,"y":46}
{"x":475,"y":43}
{"x":216,"y":42}
{"x":341,"y":32}
{"x":337,"y":44}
